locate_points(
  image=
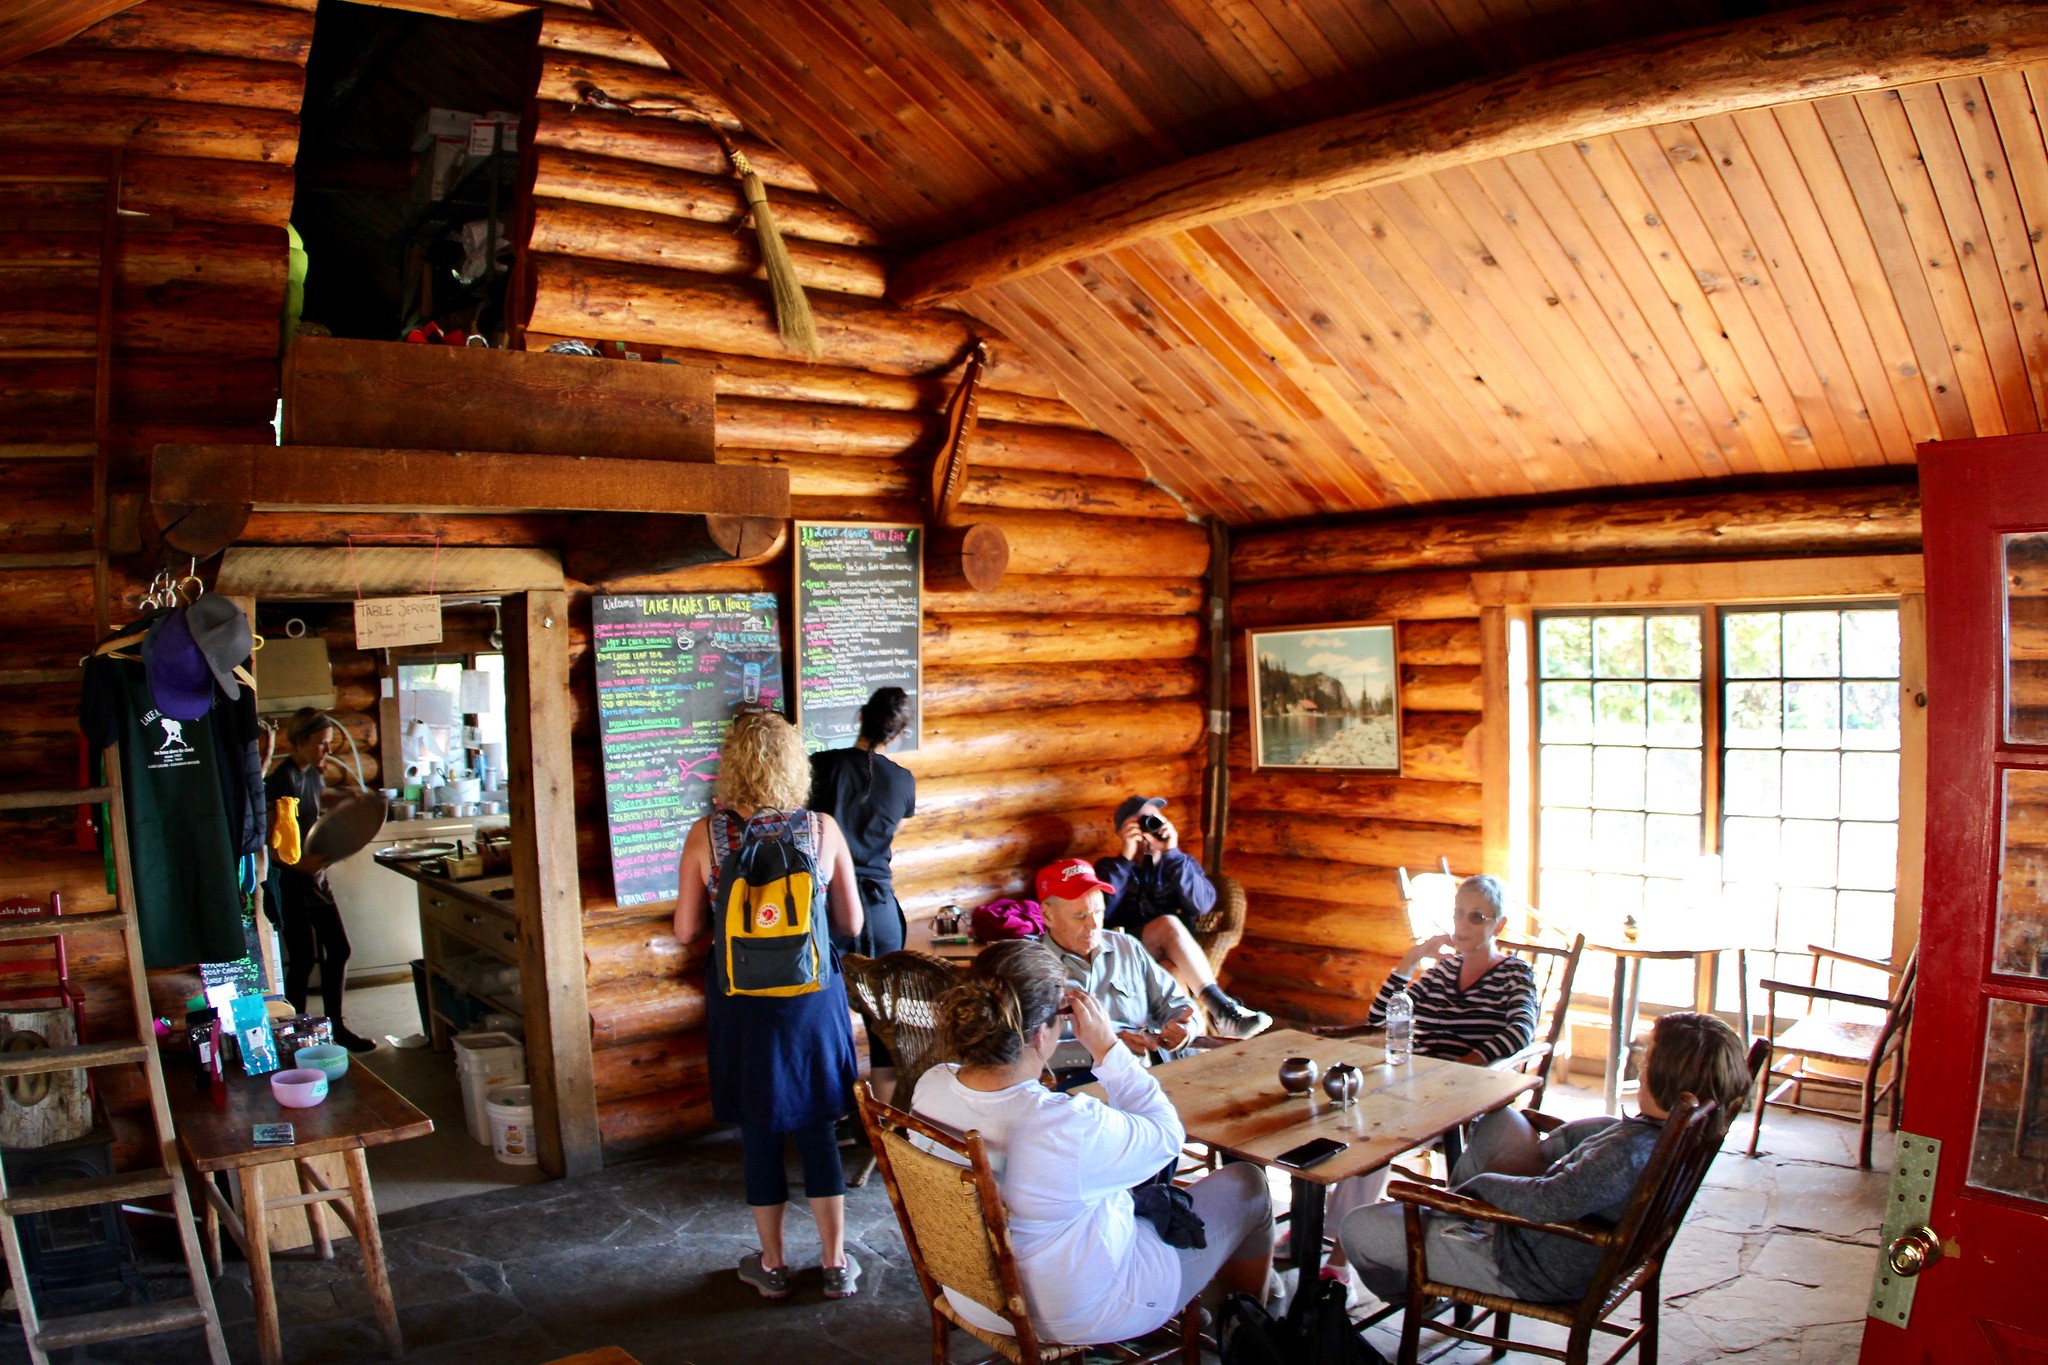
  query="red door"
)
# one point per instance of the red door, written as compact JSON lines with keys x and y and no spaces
{"x":1977,"y":1075}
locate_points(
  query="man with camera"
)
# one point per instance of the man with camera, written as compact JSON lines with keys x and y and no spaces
{"x":1156,"y":891}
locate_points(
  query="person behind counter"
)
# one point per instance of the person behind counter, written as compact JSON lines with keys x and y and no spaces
{"x":303,"y":905}
{"x":782,"y":1066}
{"x":869,"y":796}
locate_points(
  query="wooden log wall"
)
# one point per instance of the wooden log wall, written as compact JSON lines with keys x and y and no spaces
{"x":1317,"y":852}
{"x":203,"y":98}
{"x":1075,"y":683}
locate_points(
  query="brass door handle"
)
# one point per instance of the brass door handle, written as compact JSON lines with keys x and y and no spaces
{"x":1912,"y":1252}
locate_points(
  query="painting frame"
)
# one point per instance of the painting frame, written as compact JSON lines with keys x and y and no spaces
{"x":1353,"y":656}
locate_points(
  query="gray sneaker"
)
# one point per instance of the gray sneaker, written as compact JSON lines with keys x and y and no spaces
{"x":843,"y":1281}
{"x":772,"y":1284}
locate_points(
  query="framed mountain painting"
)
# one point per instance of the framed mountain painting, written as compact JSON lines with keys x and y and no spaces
{"x":1325,"y":697}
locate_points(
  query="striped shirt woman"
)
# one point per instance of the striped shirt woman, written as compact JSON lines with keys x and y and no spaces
{"x":1494,"y":1017}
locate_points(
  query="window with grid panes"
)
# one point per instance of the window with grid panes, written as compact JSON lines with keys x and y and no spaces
{"x":1805,"y":776}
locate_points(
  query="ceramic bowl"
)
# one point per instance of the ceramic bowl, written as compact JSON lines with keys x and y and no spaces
{"x":331,"y":1058}
{"x":300,"y":1088}
{"x":1341,"y":1083}
{"x":1298,"y":1075}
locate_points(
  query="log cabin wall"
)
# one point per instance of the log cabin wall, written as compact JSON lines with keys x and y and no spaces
{"x":1317,"y":852}
{"x":202,"y":96}
{"x":1046,"y":701}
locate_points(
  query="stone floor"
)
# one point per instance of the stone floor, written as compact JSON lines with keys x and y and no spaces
{"x":1772,"y":1268}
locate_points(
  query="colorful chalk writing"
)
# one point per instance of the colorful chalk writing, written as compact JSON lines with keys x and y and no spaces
{"x":858,"y":604}
{"x":671,"y":673}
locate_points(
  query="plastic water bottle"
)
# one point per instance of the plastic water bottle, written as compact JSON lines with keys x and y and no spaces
{"x":1400,"y":1028}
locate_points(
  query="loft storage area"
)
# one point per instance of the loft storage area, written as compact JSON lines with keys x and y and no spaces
{"x":1356,"y":623}
{"x":408,"y":169}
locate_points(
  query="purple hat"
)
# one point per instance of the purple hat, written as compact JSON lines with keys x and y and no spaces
{"x":180,"y":681}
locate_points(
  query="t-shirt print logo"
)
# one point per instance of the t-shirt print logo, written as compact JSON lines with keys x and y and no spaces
{"x":768,"y":915}
{"x":174,"y":744}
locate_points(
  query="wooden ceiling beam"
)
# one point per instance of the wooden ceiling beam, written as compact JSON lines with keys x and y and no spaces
{"x":1799,"y":55}
{"x":29,"y":28}
{"x":350,"y":479}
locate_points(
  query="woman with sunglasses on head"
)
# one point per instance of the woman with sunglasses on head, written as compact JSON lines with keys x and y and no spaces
{"x":1477,"y":1005}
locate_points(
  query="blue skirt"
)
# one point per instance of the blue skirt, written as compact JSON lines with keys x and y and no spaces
{"x":780,"y":1063}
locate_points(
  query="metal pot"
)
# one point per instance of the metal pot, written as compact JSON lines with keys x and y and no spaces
{"x":1298,"y":1075}
{"x":1341,"y":1083}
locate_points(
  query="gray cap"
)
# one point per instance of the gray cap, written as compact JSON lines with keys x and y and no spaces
{"x":221,"y":631}
{"x":1132,"y":805}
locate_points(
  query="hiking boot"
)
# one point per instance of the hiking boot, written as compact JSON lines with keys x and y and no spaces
{"x":1229,"y":1019}
{"x":771,"y":1284}
{"x":843,"y":1281}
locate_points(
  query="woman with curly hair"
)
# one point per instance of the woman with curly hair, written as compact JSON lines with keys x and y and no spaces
{"x":782,"y":1067}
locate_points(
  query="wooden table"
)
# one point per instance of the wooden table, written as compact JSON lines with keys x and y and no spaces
{"x":1700,"y":943}
{"x":1230,"y":1098}
{"x":360,"y":1112}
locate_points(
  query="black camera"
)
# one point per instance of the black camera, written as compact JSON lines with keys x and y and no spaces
{"x":1152,"y":824}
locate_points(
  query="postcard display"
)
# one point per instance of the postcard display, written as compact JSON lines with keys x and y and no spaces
{"x":859,"y":606}
{"x":672,"y":671}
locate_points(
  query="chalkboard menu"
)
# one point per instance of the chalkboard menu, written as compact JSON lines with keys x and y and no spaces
{"x":671,"y":672}
{"x":858,"y":605}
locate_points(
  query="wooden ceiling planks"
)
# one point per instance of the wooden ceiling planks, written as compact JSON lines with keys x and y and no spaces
{"x":1809,"y":287}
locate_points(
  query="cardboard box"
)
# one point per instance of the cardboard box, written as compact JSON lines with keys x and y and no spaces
{"x":438,"y":124}
{"x":501,"y":122}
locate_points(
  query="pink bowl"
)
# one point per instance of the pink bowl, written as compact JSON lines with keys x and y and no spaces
{"x":301,"y":1088}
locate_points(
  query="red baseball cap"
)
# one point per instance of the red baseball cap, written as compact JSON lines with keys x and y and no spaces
{"x":1070,"y":879}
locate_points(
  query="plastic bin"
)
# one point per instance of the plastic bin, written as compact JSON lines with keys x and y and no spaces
{"x":511,"y":1115}
{"x":484,"y":1062}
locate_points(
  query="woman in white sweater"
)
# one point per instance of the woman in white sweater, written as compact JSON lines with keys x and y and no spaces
{"x":1093,"y":1271}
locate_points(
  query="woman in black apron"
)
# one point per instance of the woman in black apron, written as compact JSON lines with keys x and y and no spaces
{"x":869,"y":796}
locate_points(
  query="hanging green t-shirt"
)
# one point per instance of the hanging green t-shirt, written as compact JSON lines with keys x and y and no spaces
{"x":187,"y":898}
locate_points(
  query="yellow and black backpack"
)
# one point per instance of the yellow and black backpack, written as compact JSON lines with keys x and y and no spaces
{"x":769,"y":913}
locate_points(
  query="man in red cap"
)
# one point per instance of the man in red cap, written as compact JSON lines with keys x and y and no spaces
{"x":1151,"y":1011}
{"x":1154,"y":893}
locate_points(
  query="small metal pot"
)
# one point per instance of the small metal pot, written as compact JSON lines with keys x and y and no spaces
{"x":1341,"y":1083}
{"x":1298,"y":1075}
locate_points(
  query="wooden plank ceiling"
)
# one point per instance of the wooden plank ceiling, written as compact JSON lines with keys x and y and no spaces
{"x":1814,"y":287}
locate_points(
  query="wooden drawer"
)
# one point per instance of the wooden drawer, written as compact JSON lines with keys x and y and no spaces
{"x":491,"y":929}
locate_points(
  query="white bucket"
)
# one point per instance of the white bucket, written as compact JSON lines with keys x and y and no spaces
{"x":511,"y":1111}
{"x":483,"y":1062}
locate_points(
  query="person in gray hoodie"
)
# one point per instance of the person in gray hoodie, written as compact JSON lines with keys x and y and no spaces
{"x":1585,"y":1169}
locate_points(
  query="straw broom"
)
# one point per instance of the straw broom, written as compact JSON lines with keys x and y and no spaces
{"x":792,"y":310}
{"x":793,"y":320}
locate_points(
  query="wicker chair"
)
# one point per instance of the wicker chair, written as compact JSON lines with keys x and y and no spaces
{"x":1219,"y":930}
{"x":896,"y":994}
{"x":958,"y":1234}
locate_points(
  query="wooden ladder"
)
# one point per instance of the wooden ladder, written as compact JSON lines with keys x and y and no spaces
{"x":166,"y":1177}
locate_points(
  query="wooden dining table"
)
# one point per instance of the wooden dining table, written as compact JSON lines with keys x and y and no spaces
{"x":1230,"y":1098}
{"x":217,"y":1135}
{"x":1701,"y":942}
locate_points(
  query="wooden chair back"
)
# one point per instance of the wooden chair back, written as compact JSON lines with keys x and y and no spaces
{"x":951,"y":1212}
{"x":1219,"y":930}
{"x":1426,"y":898}
{"x":1692,"y":1135}
{"x":897,"y":994}
{"x":1556,"y":969}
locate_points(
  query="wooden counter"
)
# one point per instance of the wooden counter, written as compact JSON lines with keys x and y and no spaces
{"x":470,"y":935}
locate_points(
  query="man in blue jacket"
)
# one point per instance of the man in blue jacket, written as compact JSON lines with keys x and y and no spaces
{"x":1156,"y":891}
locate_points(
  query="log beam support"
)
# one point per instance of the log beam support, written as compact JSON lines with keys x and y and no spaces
{"x":604,"y":547}
{"x":1802,"y":55}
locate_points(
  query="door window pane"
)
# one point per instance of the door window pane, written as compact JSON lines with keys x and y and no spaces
{"x":2026,"y":638}
{"x":2010,"y":1151}
{"x":2022,"y":935}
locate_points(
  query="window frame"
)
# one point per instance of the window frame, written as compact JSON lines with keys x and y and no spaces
{"x":1508,"y":600}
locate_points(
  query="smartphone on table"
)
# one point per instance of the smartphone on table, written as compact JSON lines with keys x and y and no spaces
{"x":1310,"y":1153}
